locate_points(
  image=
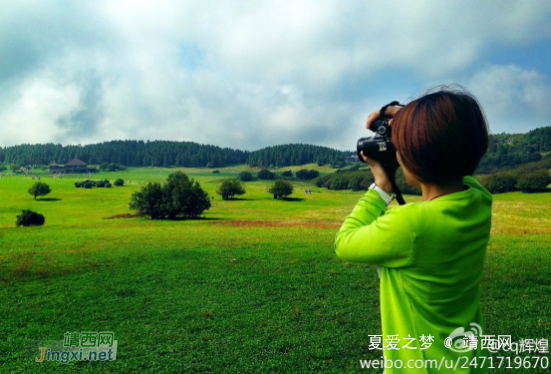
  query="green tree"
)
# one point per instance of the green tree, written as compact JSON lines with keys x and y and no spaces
{"x":39,"y":189}
{"x":179,"y":197}
{"x":499,"y":182}
{"x":534,"y":182}
{"x":307,"y":174}
{"x":266,"y":174}
{"x":287,"y":174}
{"x":245,"y":176}
{"x":119,"y":182}
{"x":29,"y":218}
{"x":230,"y":188}
{"x":149,"y":200}
{"x":281,"y":188}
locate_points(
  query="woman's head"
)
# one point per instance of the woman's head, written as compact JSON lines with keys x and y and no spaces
{"x":441,"y":136}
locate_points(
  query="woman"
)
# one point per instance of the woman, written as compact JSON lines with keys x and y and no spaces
{"x":430,"y":253}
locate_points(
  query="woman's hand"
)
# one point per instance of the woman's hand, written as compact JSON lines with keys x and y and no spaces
{"x":389,"y":112}
{"x":381,"y":179}
{"x":379,"y":174}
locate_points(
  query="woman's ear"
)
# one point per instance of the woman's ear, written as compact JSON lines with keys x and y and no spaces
{"x":390,"y":122}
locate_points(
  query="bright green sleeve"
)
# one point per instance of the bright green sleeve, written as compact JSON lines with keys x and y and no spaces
{"x":371,"y":234}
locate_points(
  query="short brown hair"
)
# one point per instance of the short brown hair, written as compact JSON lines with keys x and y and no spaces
{"x":441,"y":136}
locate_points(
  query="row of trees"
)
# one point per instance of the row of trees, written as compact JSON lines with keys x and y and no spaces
{"x":297,"y":154}
{"x":114,"y":154}
{"x":265,"y":174}
{"x":182,"y":197}
{"x":126,"y":152}
{"x":357,"y":180}
{"x":102,"y":183}
{"x":536,"y":181}
{"x":232,"y":187}
{"x":505,"y":151}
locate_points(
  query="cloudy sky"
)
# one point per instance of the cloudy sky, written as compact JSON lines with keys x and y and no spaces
{"x":249,"y":74}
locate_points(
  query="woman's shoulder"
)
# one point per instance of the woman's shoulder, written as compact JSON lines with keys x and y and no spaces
{"x":472,"y":182}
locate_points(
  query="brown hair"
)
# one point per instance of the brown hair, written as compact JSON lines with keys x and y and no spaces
{"x":441,"y":136}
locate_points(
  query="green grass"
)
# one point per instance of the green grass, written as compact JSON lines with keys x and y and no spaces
{"x":178,"y":303}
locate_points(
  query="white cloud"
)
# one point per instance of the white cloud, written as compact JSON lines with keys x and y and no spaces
{"x":248,"y":74}
{"x":514,"y":100}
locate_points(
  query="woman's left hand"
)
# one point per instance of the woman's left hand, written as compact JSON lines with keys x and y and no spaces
{"x":379,"y":174}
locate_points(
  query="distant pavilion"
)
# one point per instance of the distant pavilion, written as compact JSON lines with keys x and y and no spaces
{"x":73,"y":166}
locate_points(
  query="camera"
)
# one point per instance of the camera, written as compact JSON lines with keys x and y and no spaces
{"x":379,"y":147}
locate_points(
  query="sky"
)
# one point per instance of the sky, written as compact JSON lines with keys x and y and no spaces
{"x":251,"y":74}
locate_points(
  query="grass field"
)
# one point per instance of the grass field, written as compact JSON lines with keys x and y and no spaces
{"x":178,"y":303}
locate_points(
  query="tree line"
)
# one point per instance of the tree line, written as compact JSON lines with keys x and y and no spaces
{"x":505,"y":151}
{"x":167,"y":153}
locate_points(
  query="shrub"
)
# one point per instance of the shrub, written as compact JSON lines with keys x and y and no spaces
{"x":266,"y":174}
{"x":320,"y":181}
{"x":119,"y":182}
{"x":245,"y":176}
{"x":216,"y":172}
{"x":30,"y":218}
{"x":307,"y":174}
{"x":230,"y":188}
{"x":499,"y":182}
{"x":281,"y":188}
{"x":287,"y":174}
{"x":339,"y":184}
{"x":111,"y":166}
{"x":39,"y":189}
{"x":179,"y":197}
{"x":3,"y":168}
{"x":536,"y":181}
{"x":89,"y":184}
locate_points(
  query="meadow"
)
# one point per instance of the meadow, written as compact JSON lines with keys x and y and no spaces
{"x":253,"y":287}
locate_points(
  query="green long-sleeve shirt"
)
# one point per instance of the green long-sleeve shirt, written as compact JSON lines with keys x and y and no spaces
{"x":431,"y":256}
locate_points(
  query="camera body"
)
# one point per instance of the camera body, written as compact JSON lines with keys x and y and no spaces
{"x":379,"y":147}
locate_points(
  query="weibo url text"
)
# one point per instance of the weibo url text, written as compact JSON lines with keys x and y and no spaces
{"x":505,"y":362}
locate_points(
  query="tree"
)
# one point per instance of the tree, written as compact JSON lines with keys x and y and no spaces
{"x":179,"y":197}
{"x":339,"y":184}
{"x":148,"y":201}
{"x":499,"y":182}
{"x":245,"y":176}
{"x":281,"y":188}
{"x":29,"y":218}
{"x":39,"y":189}
{"x":266,"y":174}
{"x":307,"y":174}
{"x":229,"y":188}
{"x":534,"y":182}
{"x":287,"y":174}
{"x":119,"y":182}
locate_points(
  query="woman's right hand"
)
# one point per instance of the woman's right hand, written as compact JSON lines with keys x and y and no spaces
{"x":389,"y":112}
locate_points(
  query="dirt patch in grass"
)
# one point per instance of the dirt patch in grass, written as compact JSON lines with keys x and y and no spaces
{"x":322,"y":224}
{"x":125,"y":215}
{"x":522,"y":231}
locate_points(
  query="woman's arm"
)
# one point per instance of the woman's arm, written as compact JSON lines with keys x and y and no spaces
{"x":371,"y":234}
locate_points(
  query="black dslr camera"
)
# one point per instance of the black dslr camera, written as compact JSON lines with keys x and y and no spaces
{"x":379,"y":147}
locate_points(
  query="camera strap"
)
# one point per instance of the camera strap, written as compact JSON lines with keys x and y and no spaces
{"x":390,"y":171}
{"x":383,"y":109}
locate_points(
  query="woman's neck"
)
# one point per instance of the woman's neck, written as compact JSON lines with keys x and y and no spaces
{"x":430,"y":191}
